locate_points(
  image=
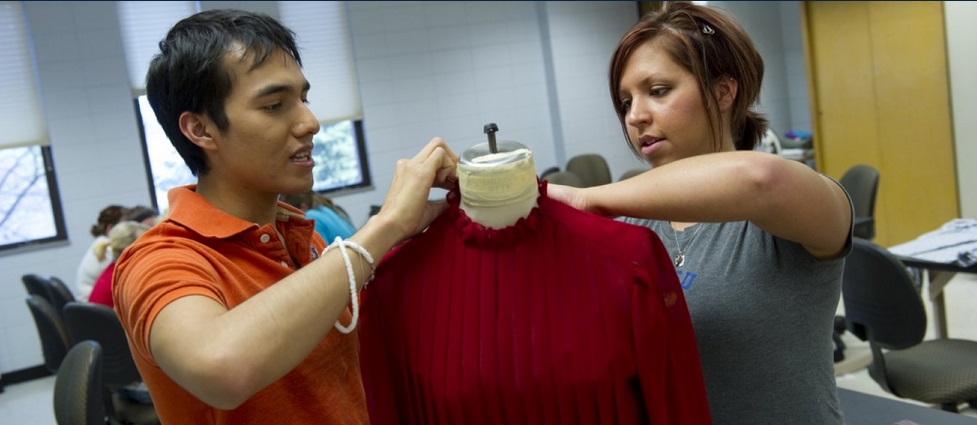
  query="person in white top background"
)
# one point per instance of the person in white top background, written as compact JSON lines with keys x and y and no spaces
{"x":96,"y":257}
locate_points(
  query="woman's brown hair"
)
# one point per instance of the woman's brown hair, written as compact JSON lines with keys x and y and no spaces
{"x":107,"y":218}
{"x":709,"y":44}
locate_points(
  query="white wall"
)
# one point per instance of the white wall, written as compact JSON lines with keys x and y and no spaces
{"x":961,"y":33}
{"x":537,"y":69}
{"x":96,"y":146}
{"x":795,"y":66}
{"x":581,"y":51}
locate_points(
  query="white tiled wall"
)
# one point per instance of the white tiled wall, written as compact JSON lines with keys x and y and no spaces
{"x":796,"y":67}
{"x":95,"y":142}
{"x":963,"y":88}
{"x":582,"y":48}
{"x":537,"y":69}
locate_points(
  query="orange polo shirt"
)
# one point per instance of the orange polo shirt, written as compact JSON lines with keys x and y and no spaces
{"x":200,"y":250}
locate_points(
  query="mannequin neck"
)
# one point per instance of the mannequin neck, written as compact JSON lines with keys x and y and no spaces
{"x":498,"y":189}
{"x":499,"y":217}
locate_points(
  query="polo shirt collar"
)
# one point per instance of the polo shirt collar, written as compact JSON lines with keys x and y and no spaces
{"x":193,"y":211}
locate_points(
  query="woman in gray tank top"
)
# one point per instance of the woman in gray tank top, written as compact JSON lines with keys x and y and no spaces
{"x":758,"y":241}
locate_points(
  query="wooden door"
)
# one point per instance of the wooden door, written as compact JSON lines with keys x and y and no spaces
{"x":880,"y":96}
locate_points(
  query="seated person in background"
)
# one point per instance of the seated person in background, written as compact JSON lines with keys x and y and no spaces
{"x":330,"y":219}
{"x":120,"y":237}
{"x":96,"y":259}
{"x":145,"y":215}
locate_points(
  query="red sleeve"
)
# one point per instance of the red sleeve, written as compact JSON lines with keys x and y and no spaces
{"x":668,"y":367}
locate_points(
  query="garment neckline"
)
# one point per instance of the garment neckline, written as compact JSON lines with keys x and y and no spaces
{"x":473,"y":233}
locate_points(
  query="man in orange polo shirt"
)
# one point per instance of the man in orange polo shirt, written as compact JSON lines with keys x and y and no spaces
{"x":230,"y":302}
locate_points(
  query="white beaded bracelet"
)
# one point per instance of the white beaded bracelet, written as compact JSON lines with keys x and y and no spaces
{"x":354,"y":299}
{"x":363,"y":253}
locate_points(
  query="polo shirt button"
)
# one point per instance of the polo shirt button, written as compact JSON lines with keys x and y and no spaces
{"x":265,"y":238}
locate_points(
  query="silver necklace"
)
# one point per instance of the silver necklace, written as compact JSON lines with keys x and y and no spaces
{"x":680,"y":257}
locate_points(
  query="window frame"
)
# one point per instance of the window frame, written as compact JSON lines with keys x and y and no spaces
{"x":359,"y":139}
{"x":60,"y":236}
{"x":357,"y":134}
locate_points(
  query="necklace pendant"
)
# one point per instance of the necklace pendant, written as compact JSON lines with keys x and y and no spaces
{"x":680,"y":260}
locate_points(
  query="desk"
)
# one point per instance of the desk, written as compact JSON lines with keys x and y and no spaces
{"x":937,"y":275}
{"x":866,"y":409}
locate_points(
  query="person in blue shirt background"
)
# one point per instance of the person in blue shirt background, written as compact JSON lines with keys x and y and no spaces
{"x":330,"y":219}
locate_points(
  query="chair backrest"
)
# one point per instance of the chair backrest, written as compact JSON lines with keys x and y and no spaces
{"x":60,"y":294}
{"x":51,"y":330}
{"x":89,"y":321}
{"x":770,"y":142}
{"x":881,"y":302}
{"x":591,"y":168}
{"x":37,"y":285}
{"x":547,"y":172}
{"x":78,"y":393}
{"x":862,"y":184}
{"x":565,"y":178}
{"x":631,"y":173}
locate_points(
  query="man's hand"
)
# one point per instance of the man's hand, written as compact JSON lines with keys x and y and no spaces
{"x":406,"y":202}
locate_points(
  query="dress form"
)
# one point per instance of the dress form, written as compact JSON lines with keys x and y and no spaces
{"x":564,"y":317}
{"x":497,"y":189}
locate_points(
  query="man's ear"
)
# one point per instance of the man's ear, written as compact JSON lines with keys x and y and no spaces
{"x":725,"y":91}
{"x":197,"y":128}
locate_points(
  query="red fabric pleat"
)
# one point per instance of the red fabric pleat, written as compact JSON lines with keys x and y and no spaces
{"x":563,"y":318}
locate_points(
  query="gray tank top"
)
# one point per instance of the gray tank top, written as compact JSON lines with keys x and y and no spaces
{"x":763,"y":312}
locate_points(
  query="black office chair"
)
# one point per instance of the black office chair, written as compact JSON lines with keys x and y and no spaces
{"x":591,"y":168}
{"x":100,"y":323}
{"x":60,"y":294}
{"x":548,"y":171}
{"x":37,"y":285}
{"x":78,"y":396}
{"x":128,"y":400}
{"x":50,"y":328}
{"x":631,"y":173}
{"x":52,"y":289}
{"x":862,"y":184}
{"x":883,"y":308}
{"x":565,"y":178}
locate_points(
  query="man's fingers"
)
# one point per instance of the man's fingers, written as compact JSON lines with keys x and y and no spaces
{"x":430,"y":147}
{"x":446,"y":178}
{"x":443,"y":164}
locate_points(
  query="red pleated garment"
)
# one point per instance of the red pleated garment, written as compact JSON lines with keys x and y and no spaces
{"x":563,"y":318}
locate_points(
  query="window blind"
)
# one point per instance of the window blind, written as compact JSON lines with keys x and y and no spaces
{"x":143,"y":25}
{"x":20,"y":108}
{"x":323,"y":37}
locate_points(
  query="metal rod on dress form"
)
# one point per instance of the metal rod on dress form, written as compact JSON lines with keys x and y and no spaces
{"x":490,"y":129}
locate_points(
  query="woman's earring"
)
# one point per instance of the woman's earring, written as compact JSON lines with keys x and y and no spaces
{"x":707,"y":30}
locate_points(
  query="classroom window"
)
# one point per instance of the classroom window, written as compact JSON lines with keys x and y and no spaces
{"x":30,"y":207}
{"x":339,"y":153}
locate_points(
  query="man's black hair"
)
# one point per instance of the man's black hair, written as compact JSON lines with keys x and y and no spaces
{"x":189,"y":75}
